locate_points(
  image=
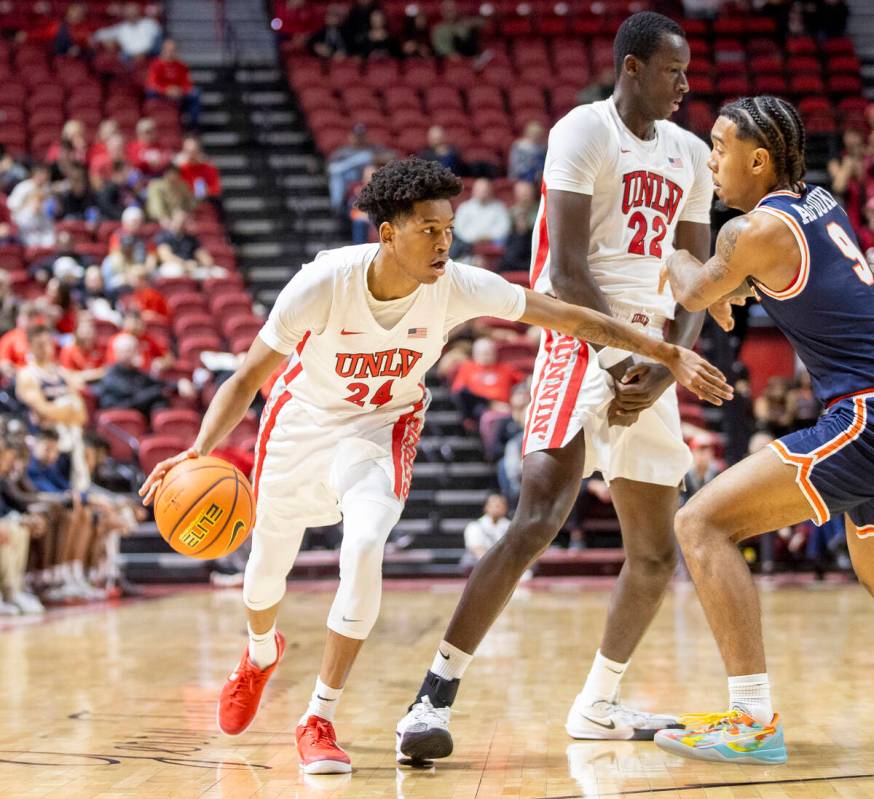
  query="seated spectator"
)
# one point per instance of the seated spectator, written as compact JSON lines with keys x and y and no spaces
{"x":130,"y":258}
{"x":295,"y":21}
{"x":362,"y":228}
{"x":147,"y":300}
{"x":168,"y":195}
{"x":704,"y":465}
{"x":482,"y":218}
{"x":201,"y":175}
{"x":104,"y":158}
{"x":16,"y":530}
{"x":73,"y":35}
{"x":115,"y":192}
{"x":513,"y":424}
{"x":76,"y":201}
{"x":599,"y":89}
{"x":46,"y":473}
{"x":528,"y":154}
{"x":136,"y":36}
{"x":12,"y":171}
{"x":8,"y":304}
{"x":14,"y":347}
{"x":126,"y":385}
{"x":848,"y":175}
{"x":169,"y":78}
{"x":330,"y":40}
{"x":378,"y":41}
{"x":509,"y":469}
{"x":455,"y":35}
{"x":440,"y":150}
{"x":866,"y":232}
{"x":483,"y":382}
{"x":482,"y":534}
{"x":94,"y":297}
{"x":180,"y":252}
{"x":145,"y":153}
{"x":60,"y":308}
{"x":417,"y":36}
{"x":132,"y":222}
{"x":83,"y":354}
{"x":357,"y":23}
{"x":771,"y":408}
{"x":28,"y":205}
{"x":152,"y":357}
{"x":517,"y":252}
{"x":72,"y":149}
{"x":346,"y":164}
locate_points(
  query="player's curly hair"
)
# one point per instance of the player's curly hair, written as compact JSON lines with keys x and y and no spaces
{"x":396,"y":187}
{"x":775,"y":125}
{"x":640,"y":35}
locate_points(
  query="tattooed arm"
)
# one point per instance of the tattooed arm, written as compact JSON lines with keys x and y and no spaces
{"x":755,"y":245}
{"x":687,"y":368}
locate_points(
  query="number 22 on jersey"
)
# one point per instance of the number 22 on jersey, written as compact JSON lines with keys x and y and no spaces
{"x":849,"y":250}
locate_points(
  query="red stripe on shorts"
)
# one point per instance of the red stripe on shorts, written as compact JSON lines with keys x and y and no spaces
{"x":404,"y":437}
{"x":542,"y":241}
{"x":547,"y":348}
{"x":570,"y":398}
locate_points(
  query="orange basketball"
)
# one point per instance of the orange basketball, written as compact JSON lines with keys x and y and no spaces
{"x":205,"y":507}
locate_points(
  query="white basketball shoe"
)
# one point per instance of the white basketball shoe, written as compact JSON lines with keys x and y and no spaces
{"x":603,"y":720}
{"x":423,"y":734}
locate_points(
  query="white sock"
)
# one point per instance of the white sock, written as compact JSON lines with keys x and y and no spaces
{"x":262,"y":647}
{"x":751,"y":693}
{"x":602,"y":684}
{"x":323,"y":702}
{"x":450,"y":662}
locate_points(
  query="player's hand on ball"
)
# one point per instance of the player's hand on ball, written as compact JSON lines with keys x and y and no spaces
{"x":153,"y":482}
{"x":700,"y":377}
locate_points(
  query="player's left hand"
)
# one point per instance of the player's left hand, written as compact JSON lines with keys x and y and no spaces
{"x":641,"y":386}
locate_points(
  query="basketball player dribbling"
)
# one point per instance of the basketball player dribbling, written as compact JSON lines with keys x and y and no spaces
{"x":796,"y":245}
{"x":338,"y":435}
{"x":621,"y":184}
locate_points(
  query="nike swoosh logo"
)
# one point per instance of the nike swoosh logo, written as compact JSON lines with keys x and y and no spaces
{"x":324,"y":699}
{"x":613,"y":670}
{"x":624,"y":151}
{"x":345,"y":619}
{"x":610,"y":726}
{"x":345,"y":332}
{"x":445,"y":657}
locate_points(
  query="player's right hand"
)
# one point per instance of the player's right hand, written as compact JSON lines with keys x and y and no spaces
{"x":700,"y":377}
{"x":153,"y":482}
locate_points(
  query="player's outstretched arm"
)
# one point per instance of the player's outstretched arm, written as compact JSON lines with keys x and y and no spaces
{"x":225,"y":412}
{"x":689,"y":369}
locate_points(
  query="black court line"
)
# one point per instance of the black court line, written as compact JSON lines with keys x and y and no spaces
{"x":701,"y":786}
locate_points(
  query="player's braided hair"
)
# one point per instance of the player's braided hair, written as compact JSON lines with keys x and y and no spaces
{"x":640,"y":35}
{"x":775,"y":124}
{"x":396,"y":187}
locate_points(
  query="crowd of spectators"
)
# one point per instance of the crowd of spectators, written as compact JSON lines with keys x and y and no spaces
{"x":92,"y":230}
{"x":852,"y":181}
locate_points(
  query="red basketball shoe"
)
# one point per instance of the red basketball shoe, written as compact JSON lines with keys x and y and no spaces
{"x":242,"y":691}
{"x":318,"y":750}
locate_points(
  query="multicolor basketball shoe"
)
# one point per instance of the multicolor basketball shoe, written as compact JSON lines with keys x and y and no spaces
{"x":728,"y":737}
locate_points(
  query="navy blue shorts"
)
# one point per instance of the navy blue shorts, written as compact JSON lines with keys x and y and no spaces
{"x":835,"y":461}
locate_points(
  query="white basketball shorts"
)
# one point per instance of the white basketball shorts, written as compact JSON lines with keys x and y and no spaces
{"x":299,"y":464}
{"x":571,"y":392}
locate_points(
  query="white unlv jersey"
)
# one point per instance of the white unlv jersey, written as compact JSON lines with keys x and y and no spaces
{"x":640,"y":190}
{"x":343,"y":362}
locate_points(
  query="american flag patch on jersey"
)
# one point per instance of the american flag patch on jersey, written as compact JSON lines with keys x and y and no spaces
{"x":676,"y":163}
{"x":417,"y":332}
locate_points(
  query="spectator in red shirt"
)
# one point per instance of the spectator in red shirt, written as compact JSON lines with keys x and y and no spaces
{"x":84,"y":353}
{"x":168,"y":78}
{"x":153,"y":355}
{"x":295,"y":21}
{"x":145,"y":152}
{"x":72,"y":36}
{"x":13,"y":345}
{"x":200,"y":174}
{"x":482,"y":383}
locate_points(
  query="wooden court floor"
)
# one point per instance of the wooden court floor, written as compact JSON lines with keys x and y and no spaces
{"x":120,"y":703}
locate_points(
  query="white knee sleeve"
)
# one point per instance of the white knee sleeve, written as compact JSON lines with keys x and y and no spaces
{"x":370,"y":511}
{"x":267,"y":569}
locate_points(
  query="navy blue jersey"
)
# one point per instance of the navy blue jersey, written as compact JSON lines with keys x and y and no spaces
{"x":827,"y":311}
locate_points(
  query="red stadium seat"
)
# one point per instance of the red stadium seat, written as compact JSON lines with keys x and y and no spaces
{"x":176,"y":422}
{"x":122,"y":428}
{"x":230,"y":303}
{"x":243,"y":324}
{"x":190,"y":348}
{"x":194,"y":324}
{"x":186,"y":300}
{"x":485,"y":96}
{"x":154,"y":449}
